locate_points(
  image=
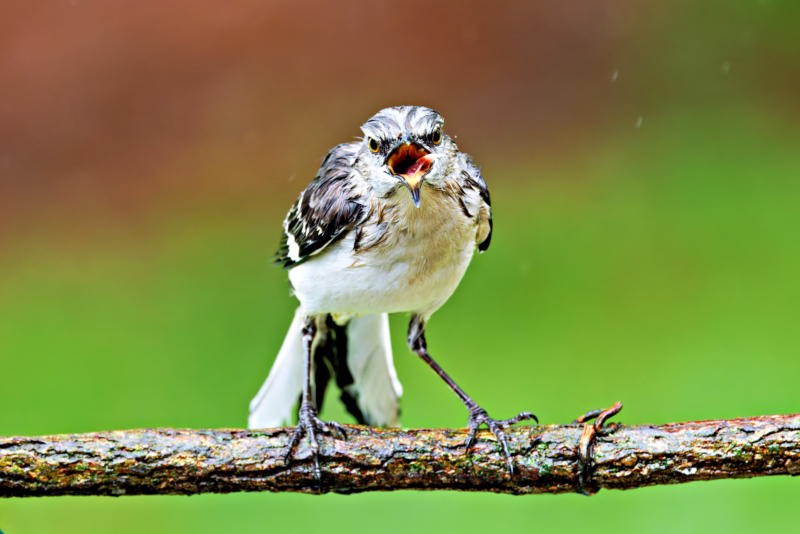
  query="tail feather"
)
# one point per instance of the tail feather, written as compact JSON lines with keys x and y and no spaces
{"x":369,"y":359}
{"x":360,"y":356}
{"x":330,"y":355}
{"x":275,"y":402}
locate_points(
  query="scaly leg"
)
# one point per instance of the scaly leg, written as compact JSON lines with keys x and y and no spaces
{"x":308,"y":421}
{"x":477,"y":415}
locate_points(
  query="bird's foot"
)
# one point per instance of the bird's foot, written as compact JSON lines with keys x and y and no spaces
{"x":478,"y":417}
{"x":585,"y":484}
{"x":599,"y":416}
{"x":309,"y":423}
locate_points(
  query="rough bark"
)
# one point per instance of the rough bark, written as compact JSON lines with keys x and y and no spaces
{"x":547,"y":459}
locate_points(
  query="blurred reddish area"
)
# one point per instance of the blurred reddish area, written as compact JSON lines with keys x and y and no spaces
{"x":108,"y":109}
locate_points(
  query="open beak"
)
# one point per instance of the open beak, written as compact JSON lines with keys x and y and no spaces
{"x":410,"y":162}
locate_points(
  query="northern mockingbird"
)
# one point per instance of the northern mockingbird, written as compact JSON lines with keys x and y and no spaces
{"x":389,"y":224}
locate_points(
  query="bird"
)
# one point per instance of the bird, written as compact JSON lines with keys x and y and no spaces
{"x":388,"y":225}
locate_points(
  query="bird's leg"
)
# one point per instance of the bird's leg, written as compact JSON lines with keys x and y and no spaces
{"x":308,"y":421}
{"x":477,"y":415}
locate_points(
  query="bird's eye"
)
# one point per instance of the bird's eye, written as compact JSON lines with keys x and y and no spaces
{"x":373,"y":145}
{"x":437,"y":136}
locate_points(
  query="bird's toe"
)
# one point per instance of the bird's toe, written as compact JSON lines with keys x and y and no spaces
{"x":310,"y":424}
{"x":498,"y":427}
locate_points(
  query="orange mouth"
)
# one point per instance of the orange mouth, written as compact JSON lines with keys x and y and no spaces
{"x":411,"y":163}
{"x":409,"y":159}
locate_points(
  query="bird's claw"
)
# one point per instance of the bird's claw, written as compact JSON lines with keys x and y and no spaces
{"x":498,"y":427}
{"x":309,"y":423}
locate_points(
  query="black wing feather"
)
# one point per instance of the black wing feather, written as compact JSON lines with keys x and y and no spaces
{"x":476,"y":181}
{"x":325,"y":211}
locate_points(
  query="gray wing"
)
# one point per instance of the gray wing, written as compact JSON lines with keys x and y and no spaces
{"x":325,"y":211}
{"x":474,"y":180}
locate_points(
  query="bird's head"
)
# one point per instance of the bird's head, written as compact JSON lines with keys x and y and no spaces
{"x":405,"y":145}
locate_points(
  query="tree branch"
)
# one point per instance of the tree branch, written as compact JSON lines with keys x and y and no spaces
{"x":547,"y":459}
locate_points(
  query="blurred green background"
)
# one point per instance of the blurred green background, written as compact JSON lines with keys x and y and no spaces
{"x":644,"y":164}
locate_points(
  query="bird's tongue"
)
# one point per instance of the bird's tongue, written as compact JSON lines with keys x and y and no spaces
{"x":420,"y":166}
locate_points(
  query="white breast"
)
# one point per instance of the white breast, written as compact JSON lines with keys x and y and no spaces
{"x":415,"y":267}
